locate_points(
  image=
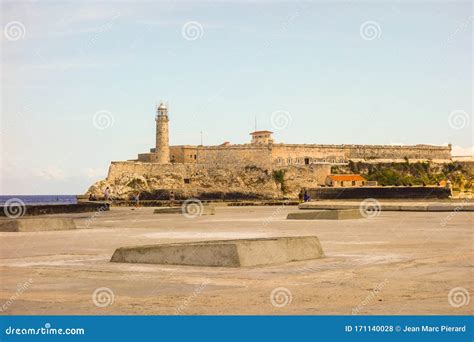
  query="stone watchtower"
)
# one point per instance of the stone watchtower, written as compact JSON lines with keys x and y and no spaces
{"x":162,"y":140}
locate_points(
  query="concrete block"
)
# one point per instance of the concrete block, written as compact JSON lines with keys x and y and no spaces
{"x":327,"y":206}
{"x":167,"y":210}
{"x":346,"y":214}
{"x":451,"y":207}
{"x":36,"y":224}
{"x":410,"y":207}
{"x":225,"y":253}
{"x":194,"y":211}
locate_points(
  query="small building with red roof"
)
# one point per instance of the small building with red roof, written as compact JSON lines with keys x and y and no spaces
{"x":345,"y":180}
{"x":262,"y":137}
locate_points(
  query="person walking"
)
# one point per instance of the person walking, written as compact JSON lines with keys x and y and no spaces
{"x":137,"y":199}
{"x":306,"y":197}
{"x":107,"y":194}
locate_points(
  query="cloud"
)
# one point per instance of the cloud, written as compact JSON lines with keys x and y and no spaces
{"x":51,"y":172}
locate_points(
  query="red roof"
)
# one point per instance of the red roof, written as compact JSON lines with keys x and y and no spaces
{"x":346,"y":178}
{"x":260,"y":132}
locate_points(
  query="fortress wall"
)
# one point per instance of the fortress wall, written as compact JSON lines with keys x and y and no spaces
{"x":281,"y":153}
{"x":417,"y":152}
{"x":118,"y":169}
{"x":236,"y":155}
{"x":210,"y":158}
{"x":295,"y":154}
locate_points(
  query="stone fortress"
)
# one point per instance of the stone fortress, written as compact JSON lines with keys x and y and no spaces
{"x":245,"y":169}
{"x":263,"y":151}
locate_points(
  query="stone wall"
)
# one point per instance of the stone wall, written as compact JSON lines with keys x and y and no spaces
{"x":183,"y":154}
{"x":399,"y":192}
{"x":235,"y":155}
{"x":300,"y":154}
{"x":398,"y":153}
{"x":284,"y":154}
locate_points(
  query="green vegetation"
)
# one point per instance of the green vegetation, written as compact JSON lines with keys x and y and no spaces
{"x":406,"y":173}
{"x":279,"y":178}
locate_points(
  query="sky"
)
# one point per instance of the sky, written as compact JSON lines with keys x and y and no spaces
{"x":80,"y":80}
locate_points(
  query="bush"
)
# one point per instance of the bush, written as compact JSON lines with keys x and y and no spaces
{"x":279,"y":178}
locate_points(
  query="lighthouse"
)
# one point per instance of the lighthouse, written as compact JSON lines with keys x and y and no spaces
{"x":162,"y":135}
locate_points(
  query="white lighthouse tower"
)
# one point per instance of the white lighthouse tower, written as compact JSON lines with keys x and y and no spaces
{"x":162,"y":135}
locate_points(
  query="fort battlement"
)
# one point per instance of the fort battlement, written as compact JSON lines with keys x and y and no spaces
{"x":280,"y":154}
{"x":262,"y":151}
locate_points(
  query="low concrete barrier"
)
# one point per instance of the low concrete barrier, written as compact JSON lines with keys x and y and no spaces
{"x":36,"y":224}
{"x":262,"y":203}
{"x":431,"y":207}
{"x":48,"y":209}
{"x":348,"y":214}
{"x":167,"y":203}
{"x":382,"y":192}
{"x":225,"y":253}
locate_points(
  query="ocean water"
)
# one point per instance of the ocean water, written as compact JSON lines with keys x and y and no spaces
{"x":39,"y":199}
